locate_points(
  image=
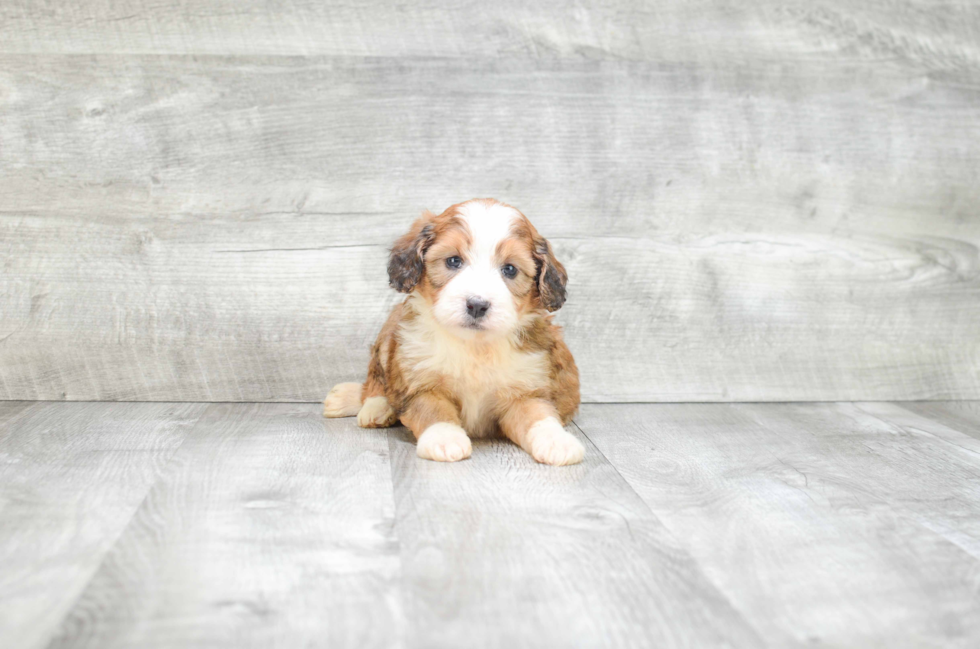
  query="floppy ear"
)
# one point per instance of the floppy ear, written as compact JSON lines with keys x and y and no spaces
{"x":551,"y":279}
{"x":406,"y":263}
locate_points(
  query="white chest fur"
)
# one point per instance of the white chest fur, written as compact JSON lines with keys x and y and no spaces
{"x":480,"y":373}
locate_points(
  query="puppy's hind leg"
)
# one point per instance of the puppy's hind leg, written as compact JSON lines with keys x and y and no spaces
{"x":344,"y":400}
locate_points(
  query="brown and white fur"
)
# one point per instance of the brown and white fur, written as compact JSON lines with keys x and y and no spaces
{"x":472,"y":351}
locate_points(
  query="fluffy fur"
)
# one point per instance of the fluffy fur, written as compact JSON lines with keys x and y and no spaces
{"x":449,"y":371}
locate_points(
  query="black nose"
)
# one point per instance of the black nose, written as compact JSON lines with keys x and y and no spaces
{"x":477,"y":307}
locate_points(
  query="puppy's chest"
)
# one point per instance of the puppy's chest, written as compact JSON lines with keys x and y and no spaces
{"x":480,"y":376}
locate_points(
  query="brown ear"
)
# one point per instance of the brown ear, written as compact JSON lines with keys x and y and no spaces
{"x":406,"y":263}
{"x":551,"y":279}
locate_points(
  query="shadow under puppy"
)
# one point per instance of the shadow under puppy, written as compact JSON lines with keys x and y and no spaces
{"x":472,"y":351}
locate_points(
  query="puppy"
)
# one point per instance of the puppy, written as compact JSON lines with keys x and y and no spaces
{"x":472,"y":350}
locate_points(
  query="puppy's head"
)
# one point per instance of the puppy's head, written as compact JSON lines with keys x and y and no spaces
{"x":480,"y":265}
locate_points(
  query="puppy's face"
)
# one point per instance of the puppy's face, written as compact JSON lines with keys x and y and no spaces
{"x":480,"y":265}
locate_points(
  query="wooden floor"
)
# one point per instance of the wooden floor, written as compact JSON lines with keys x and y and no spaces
{"x":264,"y":525}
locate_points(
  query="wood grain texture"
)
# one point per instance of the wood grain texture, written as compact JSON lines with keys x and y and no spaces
{"x":941,"y":490}
{"x":822,"y":523}
{"x":214,"y":228}
{"x":71,"y":477}
{"x":270,"y":528}
{"x":499,"y":551}
{"x":10,"y":412}
{"x":779,"y":525}
{"x":962,"y":416}
{"x":943,"y":34}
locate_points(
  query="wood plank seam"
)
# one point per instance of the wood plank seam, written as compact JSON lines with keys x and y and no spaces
{"x":57,"y":628}
{"x":899,"y":512}
{"x":594,"y":448}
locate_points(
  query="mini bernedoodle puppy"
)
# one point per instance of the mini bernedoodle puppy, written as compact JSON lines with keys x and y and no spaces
{"x":472,"y":350}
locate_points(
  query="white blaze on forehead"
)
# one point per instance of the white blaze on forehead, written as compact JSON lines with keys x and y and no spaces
{"x":488,"y":225}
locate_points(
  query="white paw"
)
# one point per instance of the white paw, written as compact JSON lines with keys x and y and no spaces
{"x":344,"y":400}
{"x":552,"y":444}
{"x":444,"y":442}
{"x":376,"y":413}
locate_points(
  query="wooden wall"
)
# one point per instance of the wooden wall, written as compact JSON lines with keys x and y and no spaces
{"x":755,"y":201}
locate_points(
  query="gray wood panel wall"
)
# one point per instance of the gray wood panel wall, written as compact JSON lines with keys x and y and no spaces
{"x":761,"y":201}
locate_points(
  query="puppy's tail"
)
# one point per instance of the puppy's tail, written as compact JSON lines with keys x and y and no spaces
{"x":344,"y":400}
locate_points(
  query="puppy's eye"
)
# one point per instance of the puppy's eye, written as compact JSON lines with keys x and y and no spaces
{"x":509,"y":270}
{"x":454,"y":261}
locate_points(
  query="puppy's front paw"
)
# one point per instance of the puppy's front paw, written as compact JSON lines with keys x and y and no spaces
{"x":444,"y":442}
{"x":552,"y":444}
{"x":376,"y":413}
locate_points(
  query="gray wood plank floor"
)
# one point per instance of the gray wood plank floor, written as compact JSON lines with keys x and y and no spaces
{"x":240,"y":525}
